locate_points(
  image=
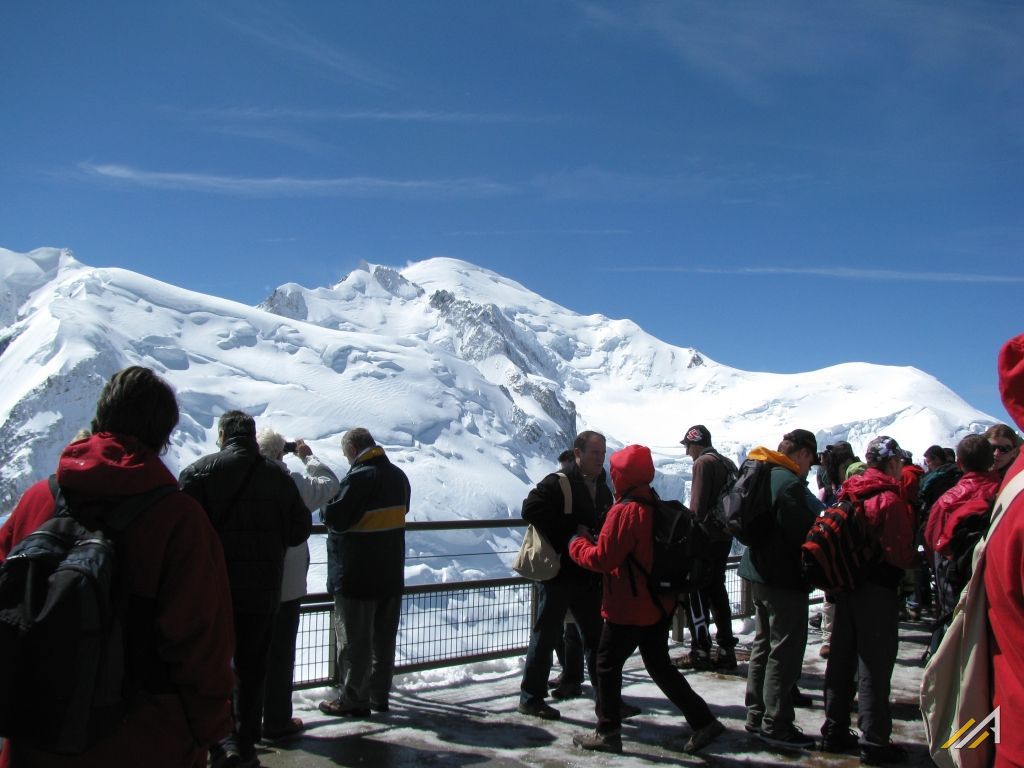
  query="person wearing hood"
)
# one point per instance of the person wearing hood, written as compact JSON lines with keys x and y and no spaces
{"x":633,"y":616}
{"x":780,"y":594}
{"x":258,"y":513}
{"x":865,"y":631}
{"x":179,"y":636}
{"x":1003,"y":571}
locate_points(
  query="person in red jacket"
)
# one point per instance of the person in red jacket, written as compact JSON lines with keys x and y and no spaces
{"x":865,"y":635}
{"x":1003,"y":571}
{"x":633,"y":617}
{"x":178,"y":598}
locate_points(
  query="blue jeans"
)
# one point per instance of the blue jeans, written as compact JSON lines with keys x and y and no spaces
{"x":582,"y":595}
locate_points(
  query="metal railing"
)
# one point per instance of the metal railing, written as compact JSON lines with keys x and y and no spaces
{"x":452,"y":623}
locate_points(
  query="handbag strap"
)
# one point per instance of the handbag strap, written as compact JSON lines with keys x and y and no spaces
{"x":563,"y":480}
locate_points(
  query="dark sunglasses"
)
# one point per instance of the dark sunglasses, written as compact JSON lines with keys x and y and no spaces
{"x":1002,"y":448}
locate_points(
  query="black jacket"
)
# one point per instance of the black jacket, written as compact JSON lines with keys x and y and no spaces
{"x":257,"y":512}
{"x":544,"y":508}
{"x":366,"y":529}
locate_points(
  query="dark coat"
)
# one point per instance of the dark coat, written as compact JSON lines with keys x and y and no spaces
{"x":366,"y":529}
{"x":178,"y":629}
{"x":257,"y":512}
{"x":544,"y":508}
{"x":777,"y":561}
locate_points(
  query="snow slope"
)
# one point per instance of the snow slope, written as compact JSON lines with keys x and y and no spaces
{"x":472,"y":382}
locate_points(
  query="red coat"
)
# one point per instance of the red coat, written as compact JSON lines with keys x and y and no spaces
{"x":910,"y":483}
{"x":890,"y":521}
{"x":970,"y":495}
{"x":1004,"y":579}
{"x":173,"y":560}
{"x":628,"y":530}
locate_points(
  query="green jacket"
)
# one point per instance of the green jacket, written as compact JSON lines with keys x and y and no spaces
{"x":777,"y":561}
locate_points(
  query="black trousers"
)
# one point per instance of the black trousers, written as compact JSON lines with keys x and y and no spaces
{"x":865,"y":640}
{"x":252,"y":647}
{"x":618,"y":641}
{"x":277,"y":694}
{"x":713,"y":599}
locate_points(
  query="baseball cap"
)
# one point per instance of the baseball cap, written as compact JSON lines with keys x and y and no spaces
{"x":698,"y":435}
{"x":881,"y":448}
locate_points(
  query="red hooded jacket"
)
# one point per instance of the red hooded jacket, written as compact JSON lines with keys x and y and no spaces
{"x":628,"y":530}
{"x":175,"y":572}
{"x":970,"y":496}
{"x":890,"y":521}
{"x":1003,"y":568}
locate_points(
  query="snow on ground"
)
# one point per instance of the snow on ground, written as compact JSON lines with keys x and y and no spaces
{"x":465,"y":716}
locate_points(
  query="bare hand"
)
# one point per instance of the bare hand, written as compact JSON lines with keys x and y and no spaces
{"x":302,"y":450}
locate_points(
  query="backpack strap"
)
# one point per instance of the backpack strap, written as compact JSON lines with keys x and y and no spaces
{"x":1003,"y":501}
{"x":563,"y":481}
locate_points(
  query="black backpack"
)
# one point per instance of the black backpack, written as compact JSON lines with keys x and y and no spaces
{"x":681,"y":550}
{"x":966,"y":535}
{"x":714,"y":522}
{"x":746,"y":507}
{"x":62,"y":655}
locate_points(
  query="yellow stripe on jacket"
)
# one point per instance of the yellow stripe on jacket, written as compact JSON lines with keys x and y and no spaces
{"x":383,"y":519}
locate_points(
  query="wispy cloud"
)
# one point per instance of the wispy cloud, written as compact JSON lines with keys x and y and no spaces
{"x":286,"y":115}
{"x":288,"y":186}
{"x":547,"y":232}
{"x":837,"y":273}
{"x":277,"y":33}
{"x":747,"y":45}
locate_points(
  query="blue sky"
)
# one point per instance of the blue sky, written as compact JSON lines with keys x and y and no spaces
{"x":782,"y":185}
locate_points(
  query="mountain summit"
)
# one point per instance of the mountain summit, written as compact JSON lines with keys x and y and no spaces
{"x":472,"y":382}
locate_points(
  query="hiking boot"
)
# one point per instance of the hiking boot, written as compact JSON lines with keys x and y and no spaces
{"x":336,"y":708}
{"x":824,"y":650}
{"x":882,"y":754}
{"x":627,"y":710}
{"x":599,"y":742}
{"x":380,"y":706}
{"x":839,"y":741}
{"x":567,"y":691}
{"x":283,"y":730}
{"x":704,"y":736}
{"x":792,"y":738}
{"x":726,"y":659}
{"x":538,"y":709}
{"x":699,"y":660}
{"x":752,"y":729}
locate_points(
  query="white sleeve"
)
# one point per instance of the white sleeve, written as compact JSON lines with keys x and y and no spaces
{"x":318,"y":485}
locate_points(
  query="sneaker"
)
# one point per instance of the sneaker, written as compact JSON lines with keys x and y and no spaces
{"x":793,"y":738}
{"x":567,"y":691}
{"x":538,"y":709}
{"x":839,"y":741}
{"x":726,"y":659}
{"x":704,"y":736}
{"x":599,"y":742}
{"x":824,"y":650}
{"x":882,"y":754}
{"x":627,"y":710}
{"x":336,"y":708}
{"x":283,"y":730}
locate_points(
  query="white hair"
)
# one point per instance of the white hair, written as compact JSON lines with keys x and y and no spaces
{"x":271,"y":443}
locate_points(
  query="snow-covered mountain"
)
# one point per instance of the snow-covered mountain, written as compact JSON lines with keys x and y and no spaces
{"x":472,"y":382}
